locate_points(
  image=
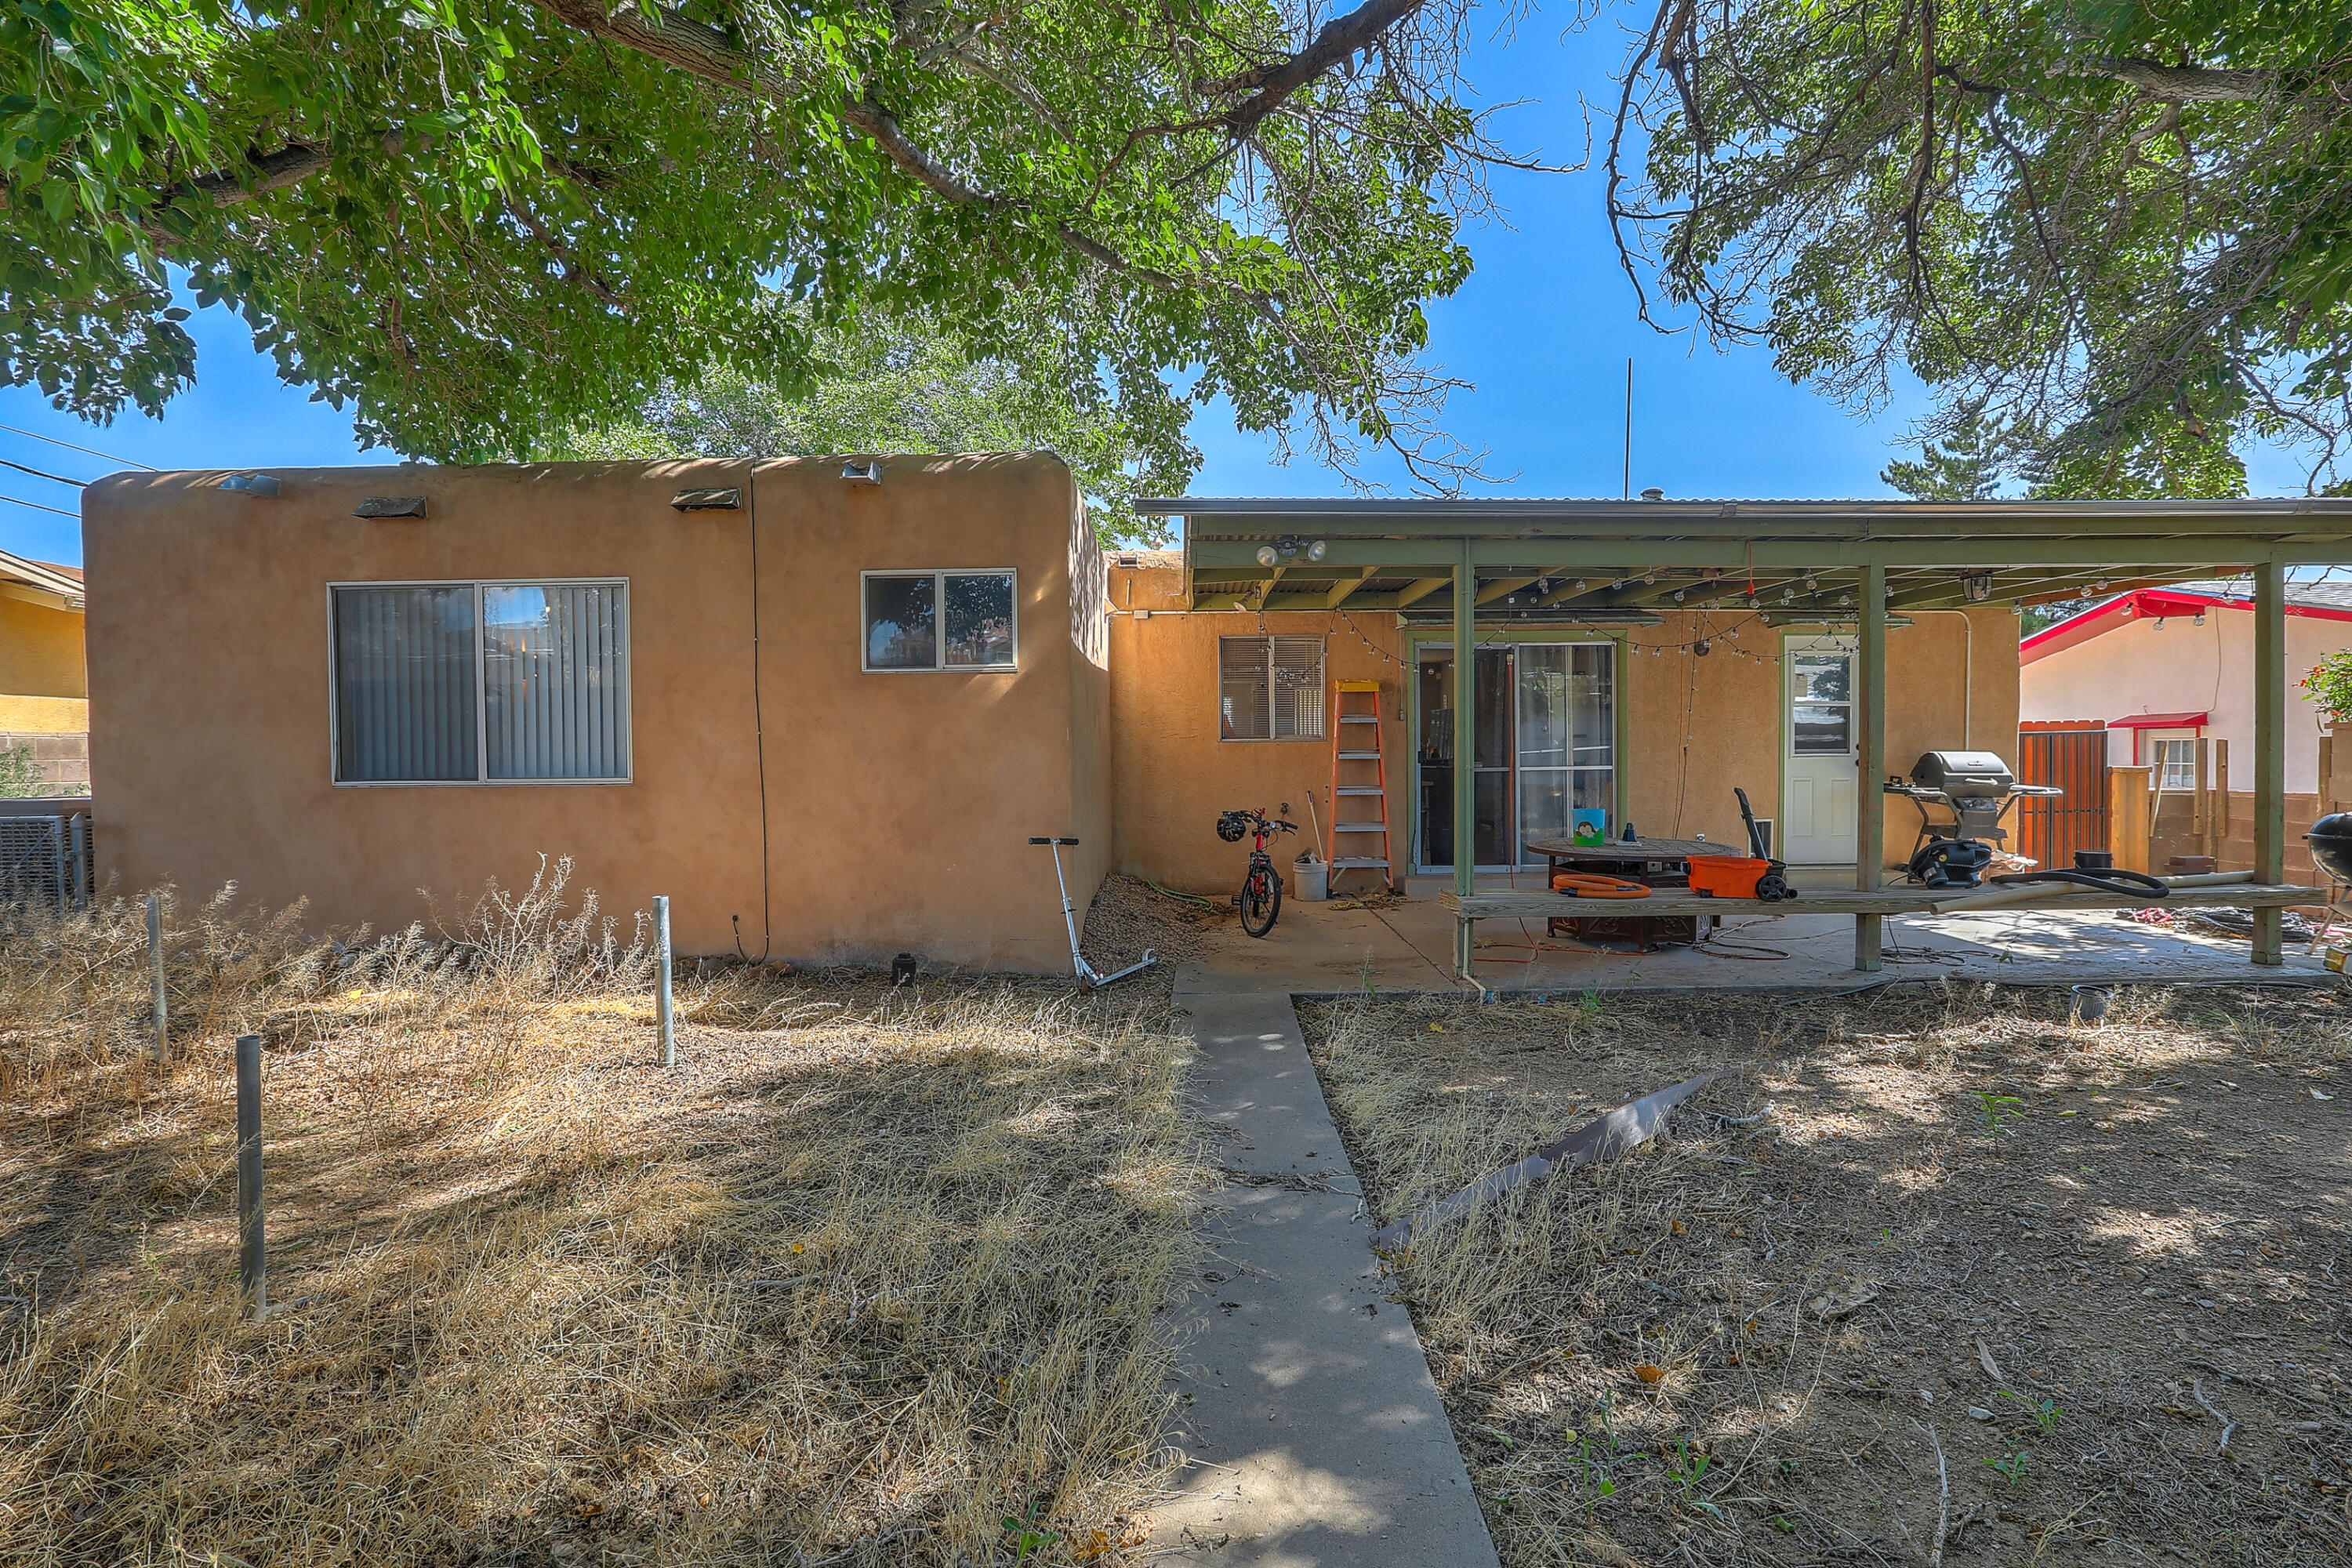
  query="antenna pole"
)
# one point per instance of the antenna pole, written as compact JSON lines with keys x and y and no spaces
{"x":1629,"y":427}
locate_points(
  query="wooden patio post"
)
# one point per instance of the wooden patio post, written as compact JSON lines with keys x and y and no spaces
{"x":2270,"y":748}
{"x":2201,"y":809}
{"x":1466,"y":741}
{"x":2221,"y":819}
{"x":1870,"y":803}
{"x":2129,"y":823}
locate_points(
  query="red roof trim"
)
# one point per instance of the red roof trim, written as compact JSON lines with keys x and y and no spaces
{"x":2145,"y":604}
{"x":2160,"y":721}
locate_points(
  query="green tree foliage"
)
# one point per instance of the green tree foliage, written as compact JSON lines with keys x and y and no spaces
{"x":909,"y":389}
{"x":1965,"y":465}
{"x":2328,"y":683}
{"x":488,"y":222}
{"x":2116,"y":232}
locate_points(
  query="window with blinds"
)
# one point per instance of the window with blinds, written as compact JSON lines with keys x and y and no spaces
{"x":1270,"y":688}
{"x":481,"y":683}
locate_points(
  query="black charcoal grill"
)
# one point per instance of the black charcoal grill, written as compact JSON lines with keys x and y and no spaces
{"x":1976,"y":787}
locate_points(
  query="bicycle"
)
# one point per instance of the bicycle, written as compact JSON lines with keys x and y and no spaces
{"x":1260,"y":900}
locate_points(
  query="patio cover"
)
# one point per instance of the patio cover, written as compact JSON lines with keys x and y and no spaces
{"x":1599,"y":563}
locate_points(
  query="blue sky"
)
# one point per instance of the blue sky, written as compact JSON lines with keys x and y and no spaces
{"x":1543,"y":330}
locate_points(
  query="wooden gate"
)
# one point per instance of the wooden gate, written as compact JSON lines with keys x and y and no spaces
{"x":2072,"y":755}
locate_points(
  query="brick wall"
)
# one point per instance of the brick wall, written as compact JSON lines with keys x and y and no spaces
{"x":64,"y":760}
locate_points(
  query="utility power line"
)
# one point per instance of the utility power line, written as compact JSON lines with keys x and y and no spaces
{"x":38,"y":474}
{"x":37,"y":506}
{"x":93,"y":451}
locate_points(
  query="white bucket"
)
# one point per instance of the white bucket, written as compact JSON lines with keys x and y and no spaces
{"x":1311,"y":879}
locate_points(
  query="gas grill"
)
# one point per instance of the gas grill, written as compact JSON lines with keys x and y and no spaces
{"x":1975,"y":788}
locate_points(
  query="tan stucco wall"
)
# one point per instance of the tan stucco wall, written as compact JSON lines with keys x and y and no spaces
{"x":1171,"y":774}
{"x":898,"y":805}
{"x":41,"y":651}
{"x":2188,"y":668}
{"x":44,"y":715}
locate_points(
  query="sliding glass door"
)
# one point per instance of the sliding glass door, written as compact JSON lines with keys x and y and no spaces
{"x":1547,"y":748}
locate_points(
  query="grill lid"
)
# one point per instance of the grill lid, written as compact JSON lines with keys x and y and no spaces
{"x":2331,"y":845}
{"x":1964,"y":772}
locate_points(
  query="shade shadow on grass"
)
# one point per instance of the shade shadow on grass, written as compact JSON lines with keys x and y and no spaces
{"x":1760,"y":1329}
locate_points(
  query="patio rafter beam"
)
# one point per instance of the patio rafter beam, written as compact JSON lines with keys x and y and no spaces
{"x":1347,"y":587}
{"x":1497,"y":587}
{"x":1421,"y":588}
{"x":1578,"y":589}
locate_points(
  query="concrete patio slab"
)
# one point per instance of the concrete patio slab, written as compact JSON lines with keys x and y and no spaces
{"x":1312,"y":1430}
{"x":1343,"y":948}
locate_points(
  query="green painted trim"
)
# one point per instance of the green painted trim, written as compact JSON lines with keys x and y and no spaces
{"x":2270,"y":750}
{"x":1428,"y":557}
{"x":1614,"y":639}
{"x":1466,"y":751}
{"x":1870,"y":802}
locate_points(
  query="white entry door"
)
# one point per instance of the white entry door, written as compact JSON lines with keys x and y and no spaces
{"x":1820,"y":773}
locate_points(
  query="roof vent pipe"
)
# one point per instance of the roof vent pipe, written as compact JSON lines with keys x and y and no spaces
{"x":1654,"y":493}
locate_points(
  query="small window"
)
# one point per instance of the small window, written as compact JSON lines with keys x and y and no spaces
{"x":938,"y":620}
{"x":481,"y":683}
{"x":1820,"y":704}
{"x":2176,"y":764}
{"x":1270,"y":688}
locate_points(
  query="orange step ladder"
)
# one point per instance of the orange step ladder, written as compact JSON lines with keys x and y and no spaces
{"x":1360,"y":844}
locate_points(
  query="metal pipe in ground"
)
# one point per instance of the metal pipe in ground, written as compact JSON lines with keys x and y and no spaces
{"x":155,"y":961}
{"x":669,"y":1019}
{"x":250,"y":1257}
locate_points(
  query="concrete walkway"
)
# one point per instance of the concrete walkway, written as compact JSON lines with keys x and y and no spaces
{"x":1312,"y":1430}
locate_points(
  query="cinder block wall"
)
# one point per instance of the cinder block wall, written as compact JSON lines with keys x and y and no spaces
{"x":64,"y":758}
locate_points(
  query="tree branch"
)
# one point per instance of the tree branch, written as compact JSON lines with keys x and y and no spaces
{"x":1339,"y":37}
{"x":2190,"y":84}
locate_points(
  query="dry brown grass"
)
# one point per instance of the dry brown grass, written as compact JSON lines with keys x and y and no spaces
{"x":869,"y":1271}
{"x":1745,"y":1343}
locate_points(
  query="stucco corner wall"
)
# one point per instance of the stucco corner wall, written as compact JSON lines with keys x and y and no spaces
{"x":896,"y":805}
{"x":1090,"y":725}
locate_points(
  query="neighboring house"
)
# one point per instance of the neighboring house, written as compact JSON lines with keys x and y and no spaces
{"x":826,"y":711}
{"x":2167,"y":668}
{"x":44,"y":687}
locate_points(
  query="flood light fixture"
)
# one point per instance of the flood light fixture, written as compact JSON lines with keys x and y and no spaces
{"x":868,"y":472}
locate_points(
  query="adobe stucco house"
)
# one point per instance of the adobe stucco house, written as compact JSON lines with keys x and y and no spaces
{"x":661,"y":669}
{"x":1620,"y":716}
{"x":825,"y":710}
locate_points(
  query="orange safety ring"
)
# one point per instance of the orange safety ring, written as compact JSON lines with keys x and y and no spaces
{"x":1592,"y":885}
